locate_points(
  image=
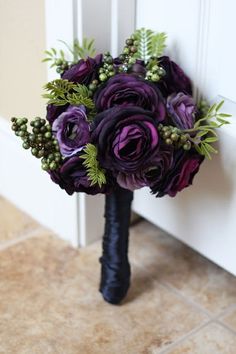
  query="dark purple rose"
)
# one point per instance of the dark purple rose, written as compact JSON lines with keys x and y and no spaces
{"x":72,"y":177}
{"x":130,"y":90}
{"x":126,"y":138}
{"x":184,"y":168}
{"x":161,"y":163}
{"x":138,"y":68}
{"x":54,"y":111}
{"x":84,"y":71}
{"x":175,"y":79}
{"x":182,"y":110}
{"x":71,"y":129}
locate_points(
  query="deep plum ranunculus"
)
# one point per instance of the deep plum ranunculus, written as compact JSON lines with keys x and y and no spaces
{"x":138,"y":68}
{"x":174,"y":80}
{"x":160,"y":164}
{"x":54,"y":111}
{"x":126,"y":138}
{"x":130,"y":90}
{"x":72,"y":176}
{"x":84,"y":71}
{"x":184,"y":168}
{"x":182,"y":110}
{"x":71,"y":129}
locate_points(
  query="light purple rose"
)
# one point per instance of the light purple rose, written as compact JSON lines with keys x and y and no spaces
{"x":71,"y":129}
{"x":182,"y":110}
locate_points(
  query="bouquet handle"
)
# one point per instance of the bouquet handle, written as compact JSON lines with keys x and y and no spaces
{"x":115,"y":267}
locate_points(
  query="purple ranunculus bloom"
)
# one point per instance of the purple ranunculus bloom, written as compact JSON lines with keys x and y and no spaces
{"x":182,"y":110}
{"x":174,"y":80}
{"x":54,"y":111}
{"x":185,"y":166}
{"x":160,"y":164}
{"x":72,"y":176}
{"x":130,"y":90}
{"x":138,"y":68}
{"x":84,"y":71}
{"x":126,"y":138}
{"x":71,"y":129}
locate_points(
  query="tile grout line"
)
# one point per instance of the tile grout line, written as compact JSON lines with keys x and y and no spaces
{"x":178,"y":293}
{"x":184,"y":337}
{"x":24,"y":237}
{"x":224,"y":325}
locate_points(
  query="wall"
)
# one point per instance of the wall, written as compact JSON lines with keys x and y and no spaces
{"x":22,"y":42}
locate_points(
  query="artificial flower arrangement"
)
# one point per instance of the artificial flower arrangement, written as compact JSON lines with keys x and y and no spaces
{"x":121,"y":124}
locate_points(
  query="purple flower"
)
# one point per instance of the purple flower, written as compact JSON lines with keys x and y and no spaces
{"x":138,"y":68}
{"x":72,"y":130}
{"x":126,"y":138}
{"x":182,"y":110}
{"x":72,"y":176}
{"x":84,"y":71}
{"x":130,"y":90}
{"x":175,"y":79}
{"x":54,"y":111}
{"x":180,"y":175}
{"x":160,"y":164}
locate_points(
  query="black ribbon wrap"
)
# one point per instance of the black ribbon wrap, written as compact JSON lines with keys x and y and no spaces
{"x":115,"y":267}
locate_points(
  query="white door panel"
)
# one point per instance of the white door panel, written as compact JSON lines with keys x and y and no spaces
{"x":201,"y":40}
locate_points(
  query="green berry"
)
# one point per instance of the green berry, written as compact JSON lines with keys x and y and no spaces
{"x":92,"y":87}
{"x":53,"y":165}
{"x":183,"y":138}
{"x":26,"y":145}
{"x":126,"y":50}
{"x":154,"y":68}
{"x":168,"y":141}
{"x":155,"y":77}
{"x":187,"y":146}
{"x":167,"y":133}
{"x":174,"y":137}
{"x":48,"y":135}
{"x":133,"y":49}
{"x":103,"y":77}
{"x":129,"y":41}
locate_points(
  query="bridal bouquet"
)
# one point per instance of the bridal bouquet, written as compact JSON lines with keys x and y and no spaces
{"x":114,"y":125}
{"x":129,"y":121}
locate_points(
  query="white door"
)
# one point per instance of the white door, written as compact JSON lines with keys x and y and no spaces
{"x":201,"y":38}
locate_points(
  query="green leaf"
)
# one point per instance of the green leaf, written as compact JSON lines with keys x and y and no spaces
{"x":211,"y":139}
{"x":144,"y":38}
{"x":218,"y":107}
{"x":158,"y":44}
{"x":96,"y":174}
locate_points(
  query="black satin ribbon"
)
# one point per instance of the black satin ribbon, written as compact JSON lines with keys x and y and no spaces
{"x":115,"y":271}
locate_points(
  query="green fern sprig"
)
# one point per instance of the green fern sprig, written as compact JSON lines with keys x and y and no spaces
{"x":158,"y":44}
{"x":95,"y":173}
{"x":61,"y":92}
{"x":149,"y":44}
{"x":205,"y":130}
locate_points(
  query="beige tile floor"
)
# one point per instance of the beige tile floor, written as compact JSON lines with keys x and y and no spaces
{"x":49,"y":303}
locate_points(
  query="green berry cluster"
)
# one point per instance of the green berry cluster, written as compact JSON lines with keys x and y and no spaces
{"x":174,"y":136}
{"x":40,"y":140}
{"x":155,"y":73}
{"x":62,"y":65}
{"x":127,"y":56}
{"x":107,"y":70}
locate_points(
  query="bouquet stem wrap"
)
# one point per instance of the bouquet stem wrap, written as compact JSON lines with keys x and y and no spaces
{"x":115,"y":270}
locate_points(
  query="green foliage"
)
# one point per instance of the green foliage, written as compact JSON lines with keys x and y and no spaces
{"x":205,"y":130}
{"x":95,"y":173}
{"x":62,"y":92}
{"x":86,"y":49}
{"x":158,"y":44}
{"x":150,"y":44}
{"x":57,"y":57}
